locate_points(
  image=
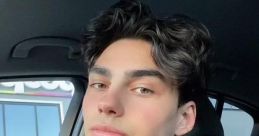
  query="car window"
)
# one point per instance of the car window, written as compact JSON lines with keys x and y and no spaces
{"x":235,"y":121}
{"x":41,"y":105}
{"x":213,"y":101}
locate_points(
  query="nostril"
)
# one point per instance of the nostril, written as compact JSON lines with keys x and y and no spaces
{"x":111,"y":112}
{"x":110,"y":106}
{"x":100,"y":110}
{"x":106,"y":109}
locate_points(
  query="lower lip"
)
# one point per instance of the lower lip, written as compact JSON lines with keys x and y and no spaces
{"x":104,"y":133}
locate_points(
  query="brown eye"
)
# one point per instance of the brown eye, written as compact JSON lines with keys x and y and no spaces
{"x":98,"y":85}
{"x":143,"y":91}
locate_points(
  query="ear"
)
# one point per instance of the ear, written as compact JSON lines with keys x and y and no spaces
{"x":185,"y":118}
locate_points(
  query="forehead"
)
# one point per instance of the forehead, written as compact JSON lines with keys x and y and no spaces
{"x":127,"y":54}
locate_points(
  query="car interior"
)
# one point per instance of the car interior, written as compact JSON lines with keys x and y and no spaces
{"x":40,"y":41}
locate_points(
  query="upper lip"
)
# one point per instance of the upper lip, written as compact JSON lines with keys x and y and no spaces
{"x":107,"y":129}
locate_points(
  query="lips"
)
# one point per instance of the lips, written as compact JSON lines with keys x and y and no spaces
{"x":101,"y":130}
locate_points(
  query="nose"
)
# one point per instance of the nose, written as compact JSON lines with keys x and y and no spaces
{"x":111,"y":105}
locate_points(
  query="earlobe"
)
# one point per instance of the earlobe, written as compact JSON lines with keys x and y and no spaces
{"x":186,"y":118}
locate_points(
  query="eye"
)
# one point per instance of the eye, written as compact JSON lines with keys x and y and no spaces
{"x":98,"y":85}
{"x":143,"y":91}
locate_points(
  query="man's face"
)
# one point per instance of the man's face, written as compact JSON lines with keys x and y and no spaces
{"x":128,"y":95}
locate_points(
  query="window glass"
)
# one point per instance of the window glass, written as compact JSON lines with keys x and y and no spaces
{"x":1,"y":121}
{"x":34,"y":108}
{"x":20,"y":120}
{"x":236,"y":122}
{"x":48,"y":120}
{"x":213,"y":101}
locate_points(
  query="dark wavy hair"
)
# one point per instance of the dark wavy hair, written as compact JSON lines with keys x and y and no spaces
{"x":180,"y":45}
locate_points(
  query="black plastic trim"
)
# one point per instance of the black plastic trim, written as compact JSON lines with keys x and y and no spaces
{"x":22,"y":49}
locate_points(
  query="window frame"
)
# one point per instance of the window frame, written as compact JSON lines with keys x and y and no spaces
{"x":35,"y":105}
{"x":73,"y":121}
{"x":242,"y":105}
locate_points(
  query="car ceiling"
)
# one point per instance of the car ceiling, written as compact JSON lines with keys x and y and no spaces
{"x":234,"y":26}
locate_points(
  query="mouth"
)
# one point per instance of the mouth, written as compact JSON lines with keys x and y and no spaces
{"x":102,"y":130}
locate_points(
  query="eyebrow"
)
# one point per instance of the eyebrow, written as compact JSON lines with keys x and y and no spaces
{"x":144,"y":73}
{"x":131,"y":74}
{"x":101,"y":71}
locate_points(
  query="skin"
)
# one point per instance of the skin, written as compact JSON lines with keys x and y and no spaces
{"x":129,"y":93}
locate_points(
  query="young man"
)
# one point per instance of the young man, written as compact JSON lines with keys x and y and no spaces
{"x":145,"y":73}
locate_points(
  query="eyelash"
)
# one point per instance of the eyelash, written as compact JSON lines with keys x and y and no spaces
{"x":139,"y":90}
{"x":98,"y":85}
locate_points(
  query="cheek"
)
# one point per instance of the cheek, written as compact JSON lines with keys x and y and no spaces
{"x":153,"y":119}
{"x":88,"y":104}
{"x":148,"y":113}
{"x":90,"y":110}
{"x":154,"y":115}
